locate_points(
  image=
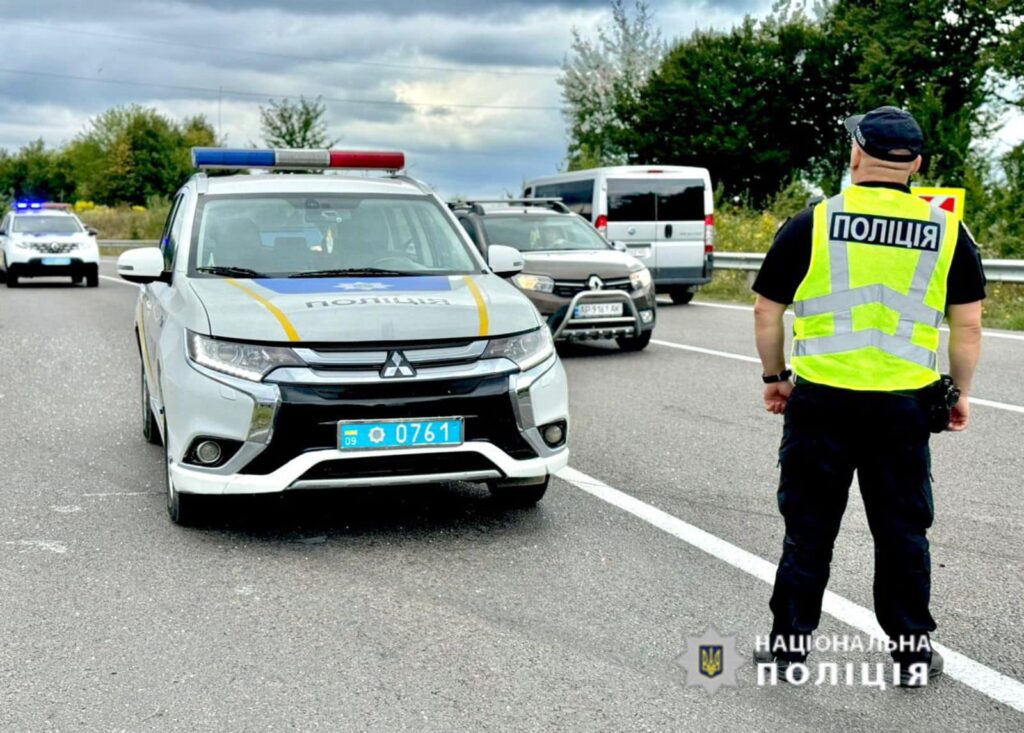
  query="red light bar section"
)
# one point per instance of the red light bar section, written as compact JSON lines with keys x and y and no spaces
{"x":389,"y":161}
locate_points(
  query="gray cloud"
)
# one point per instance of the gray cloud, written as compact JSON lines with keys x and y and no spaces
{"x":380,"y":51}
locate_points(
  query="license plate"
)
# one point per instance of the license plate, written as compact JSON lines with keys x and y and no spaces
{"x":382,"y":434}
{"x":641,"y":252}
{"x":597,"y":310}
{"x":56,"y":260}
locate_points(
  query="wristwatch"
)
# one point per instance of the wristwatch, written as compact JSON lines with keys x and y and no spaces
{"x":774,"y":378}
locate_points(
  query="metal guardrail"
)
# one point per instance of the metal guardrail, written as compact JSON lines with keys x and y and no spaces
{"x":109,"y":247}
{"x":1000,"y":271}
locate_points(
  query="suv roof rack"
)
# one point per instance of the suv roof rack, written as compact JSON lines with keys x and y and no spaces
{"x":475,"y":205}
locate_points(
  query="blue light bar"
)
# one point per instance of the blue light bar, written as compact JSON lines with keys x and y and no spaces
{"x":232,"y":158}
{"x":22,"y":205}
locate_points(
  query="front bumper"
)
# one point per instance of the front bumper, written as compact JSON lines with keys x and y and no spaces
{"x":639,"y":313}
{"x":29,"y":263}
{"x":287,"y":429}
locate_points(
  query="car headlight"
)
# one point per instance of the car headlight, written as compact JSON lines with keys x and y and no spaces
{"x":537,"y":283}
{"x":640,"y":279}
{"x":527,"y":349}
{"x":22,"y":244}
{"x":248,"y":361}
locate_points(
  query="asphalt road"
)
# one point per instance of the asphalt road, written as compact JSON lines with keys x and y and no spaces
{"x":432,"y":609}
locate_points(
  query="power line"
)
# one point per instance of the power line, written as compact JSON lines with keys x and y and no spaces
{"x":273,"y":54}
{"x":268,"y":95}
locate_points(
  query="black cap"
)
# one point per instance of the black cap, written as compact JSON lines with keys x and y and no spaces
{"x":885,"y":129}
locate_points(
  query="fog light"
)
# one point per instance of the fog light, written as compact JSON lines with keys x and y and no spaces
{"x":646,"y":316}
{"x":208,"y":452}
{"x":554,"y":434}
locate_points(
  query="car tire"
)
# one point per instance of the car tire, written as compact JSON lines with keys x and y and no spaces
{"x":518,"y":497}
{"x":635,"y":343}
{"x":92,"y":278}
{"x":681,"y":296}
{"x":150,"y":426}
{"x":12,"y":278}
{"x":76,"y":279}
{"x":185,"y":510}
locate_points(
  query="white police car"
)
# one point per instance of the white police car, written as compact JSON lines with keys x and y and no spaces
{"x":45,"y":240}
{"x":327,"y":331}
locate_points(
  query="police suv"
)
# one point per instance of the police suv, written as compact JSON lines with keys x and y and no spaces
{"x":46,"y":240}
{"x":312,"y":331}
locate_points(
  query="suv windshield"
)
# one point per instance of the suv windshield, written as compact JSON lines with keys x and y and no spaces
{"x":323,"y":234}
{"x":33,"y":224}
{"x":542,"y":233}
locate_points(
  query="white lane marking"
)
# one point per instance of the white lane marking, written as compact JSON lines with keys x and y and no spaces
{"x":48,"y":545}
{"x":728,"y":306}
{"x":125,"y":493}
{"x":66,"y":509}
{"x":749,"y":308}
{"x":117,"y":280}
{"x":753,"y":360}
{"x":710,"y":352}
{"x":985,"y":680}
{"x":997,"y":405}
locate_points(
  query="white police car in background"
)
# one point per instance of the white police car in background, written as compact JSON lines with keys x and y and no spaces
{"x":326,"y":331}
{"x":46,"y":240}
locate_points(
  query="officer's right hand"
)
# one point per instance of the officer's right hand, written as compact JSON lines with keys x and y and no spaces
{"x":961,"y":415}
{"x":776,"y":396}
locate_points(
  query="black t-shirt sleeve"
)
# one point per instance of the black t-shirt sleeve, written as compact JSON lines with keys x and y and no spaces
{"x":787,"y":262}
{"x":966,"y":281}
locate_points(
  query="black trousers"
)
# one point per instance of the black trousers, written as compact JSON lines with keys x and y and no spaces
{"x":829,"y":434}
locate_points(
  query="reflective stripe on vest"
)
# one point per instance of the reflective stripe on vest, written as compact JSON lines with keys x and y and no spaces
{"x":928,"y":239}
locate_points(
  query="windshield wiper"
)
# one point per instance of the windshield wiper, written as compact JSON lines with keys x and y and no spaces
{"x":230,"y":271}
{"x":355,"y":272}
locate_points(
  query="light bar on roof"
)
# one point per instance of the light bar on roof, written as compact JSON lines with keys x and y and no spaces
{"x":296,"y":159}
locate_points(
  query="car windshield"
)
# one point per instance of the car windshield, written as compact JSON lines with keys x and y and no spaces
{"x":542,"y":232}
{"x":311,"y":235}
{"x":33,"y":224}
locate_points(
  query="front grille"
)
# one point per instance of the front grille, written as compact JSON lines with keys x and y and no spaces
{"x":569,"y":288}
{"x":389,"y":465}
{"x":53,"y":248}
{"x":309,"y":415}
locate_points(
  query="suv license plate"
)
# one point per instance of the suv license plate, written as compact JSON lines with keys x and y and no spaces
{"x":597,"y":310}
{"x":382,"y":434}
{"x":56,"y":260}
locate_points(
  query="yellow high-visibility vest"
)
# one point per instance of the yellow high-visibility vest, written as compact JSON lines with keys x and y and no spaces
{"x":869,"y":309}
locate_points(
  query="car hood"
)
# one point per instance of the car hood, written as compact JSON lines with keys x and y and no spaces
{"x":579,"y":265}
{"x":360,"y":310}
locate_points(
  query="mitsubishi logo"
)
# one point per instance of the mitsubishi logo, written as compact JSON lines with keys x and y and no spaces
{"x":595,"y":283}
{"x":397,"y":366}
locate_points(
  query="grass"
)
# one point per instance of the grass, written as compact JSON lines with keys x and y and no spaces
{"x":125,"y":222}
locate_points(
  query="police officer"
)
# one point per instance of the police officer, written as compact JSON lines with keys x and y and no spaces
{"x":870,"y":274}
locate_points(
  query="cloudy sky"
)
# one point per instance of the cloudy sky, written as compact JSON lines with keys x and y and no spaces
{"x":466,"y":87}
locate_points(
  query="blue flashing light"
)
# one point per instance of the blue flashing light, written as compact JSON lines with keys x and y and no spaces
{"x":24,"y":205}
{"x":232,"y":158}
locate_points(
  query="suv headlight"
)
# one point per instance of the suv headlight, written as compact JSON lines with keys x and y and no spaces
{"x":640,"y":279}
{"x":537,"y":283}
{"x":22,"y":244}
{"x":248,"y":361}
{"x":527,"y":349}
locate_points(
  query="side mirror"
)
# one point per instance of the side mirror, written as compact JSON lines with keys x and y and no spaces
{"x":619,"y":246}
{"x":93,"y":231}
{"x":504,"y":261}
{"x":141,"y":266}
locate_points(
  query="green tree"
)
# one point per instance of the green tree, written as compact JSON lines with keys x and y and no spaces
{"x":758,"y":106}
{"x":131,"y":154}
{"x":935,"y":58}
{"x":603,"y":76}
{"x":295,"y":124}
{"x":35,"y":173}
